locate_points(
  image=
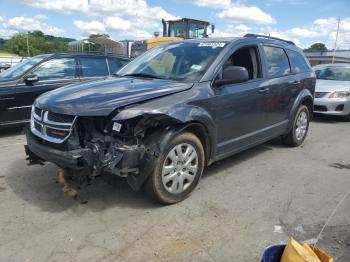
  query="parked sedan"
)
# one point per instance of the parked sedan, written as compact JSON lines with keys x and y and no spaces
{"x":332,"y":94}
{"x":21,"y":84}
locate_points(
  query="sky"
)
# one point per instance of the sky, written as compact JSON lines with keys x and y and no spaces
{"x":304,"y":22}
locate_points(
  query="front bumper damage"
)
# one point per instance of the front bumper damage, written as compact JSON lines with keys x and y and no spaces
{"x":133,"y":162}
{"x":39,"y":153}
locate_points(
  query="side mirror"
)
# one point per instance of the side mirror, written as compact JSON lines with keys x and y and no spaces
{"x":233,"y":75}
{"x":30,"y":79}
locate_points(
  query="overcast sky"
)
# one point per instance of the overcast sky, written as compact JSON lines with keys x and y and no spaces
{"x":304,"y":22}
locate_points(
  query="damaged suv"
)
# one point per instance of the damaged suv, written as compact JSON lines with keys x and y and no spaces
{"x":174,"y":110}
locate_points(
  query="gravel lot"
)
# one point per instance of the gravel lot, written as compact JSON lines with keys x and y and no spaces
{"x":242,"y":205}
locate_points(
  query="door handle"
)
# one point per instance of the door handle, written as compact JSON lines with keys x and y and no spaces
{"x":295,"y":83}
{"x":264,"y":89}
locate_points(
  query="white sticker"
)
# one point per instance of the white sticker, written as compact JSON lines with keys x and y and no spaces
{"x":212,"y":44}
{"x":196,"y":67}
{"x":117,"y":126}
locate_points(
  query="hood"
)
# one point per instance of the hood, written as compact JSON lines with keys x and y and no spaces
{"x":331,"y":85}
{"x":100,"y":98}
{"x":4,"y":81}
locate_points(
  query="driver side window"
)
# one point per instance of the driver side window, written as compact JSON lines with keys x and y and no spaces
{"x":247,"y":57}
{"x":56,"y":69}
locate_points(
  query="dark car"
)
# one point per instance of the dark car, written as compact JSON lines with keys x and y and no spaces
{"x":21,"y":84}
{"x":174,"y":110}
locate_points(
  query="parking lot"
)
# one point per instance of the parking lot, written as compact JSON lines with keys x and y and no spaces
{"x":242,"y":205}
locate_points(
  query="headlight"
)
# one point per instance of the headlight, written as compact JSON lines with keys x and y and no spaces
{"x":339,"y":94}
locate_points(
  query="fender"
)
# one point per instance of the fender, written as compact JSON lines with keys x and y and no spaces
{"x":303,"y":95}
{"x":178,"y":120}
{"x":154,"y":144}
{"x":179,"y":115}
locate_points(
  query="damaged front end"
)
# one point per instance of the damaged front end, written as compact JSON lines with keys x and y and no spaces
{"x":85,"y":147}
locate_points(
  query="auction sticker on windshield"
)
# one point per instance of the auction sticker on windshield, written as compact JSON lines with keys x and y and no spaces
{"x":212,"y":44}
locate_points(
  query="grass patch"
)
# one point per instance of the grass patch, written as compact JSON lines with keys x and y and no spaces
{"x":4,"y":53}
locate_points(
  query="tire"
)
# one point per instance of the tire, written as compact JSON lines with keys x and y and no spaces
{"x":297,"y":134}
{"x":172,"y":170}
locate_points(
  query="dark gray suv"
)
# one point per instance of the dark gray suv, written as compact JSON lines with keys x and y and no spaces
{"x":174,"y":110}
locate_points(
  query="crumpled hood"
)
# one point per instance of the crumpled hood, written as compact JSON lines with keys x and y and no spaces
{"x":100,"y":98}
{"x":331,"y":85}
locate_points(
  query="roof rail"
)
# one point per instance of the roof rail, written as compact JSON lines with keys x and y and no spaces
{"x":269,"y":37}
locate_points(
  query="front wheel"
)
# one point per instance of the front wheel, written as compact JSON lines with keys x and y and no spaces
{"x":298,"y":133}
{"x":178,"y":169}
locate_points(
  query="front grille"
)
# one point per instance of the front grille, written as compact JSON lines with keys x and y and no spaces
{"x":37,"y":126}
{"x":320,"y":94}
{"x":320,"y":108}
{"x":37,"y":111}
{"x":59,"y":134}
{"x":52,"y":127}
{"x":60,"y":118}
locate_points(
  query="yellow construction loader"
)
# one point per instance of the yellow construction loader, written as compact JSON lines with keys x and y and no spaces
{"x":184,"y":28}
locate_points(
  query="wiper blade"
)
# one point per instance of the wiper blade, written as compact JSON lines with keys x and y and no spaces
{"x":143,"y":75}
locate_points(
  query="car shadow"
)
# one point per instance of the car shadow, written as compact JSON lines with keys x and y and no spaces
{"x":38,"y":185}
{"x":12,"y":131}
{"x":247,"y":155}
{"x":320,"y":118}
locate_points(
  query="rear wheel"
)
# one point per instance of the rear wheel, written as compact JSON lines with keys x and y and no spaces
{"x":298,"y":133}
{"x":178,"y":169}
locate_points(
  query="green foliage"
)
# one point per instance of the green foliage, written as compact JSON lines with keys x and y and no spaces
{"x":99,"y":35}
{"x":317,"y":47}
{"x":38,"y":43}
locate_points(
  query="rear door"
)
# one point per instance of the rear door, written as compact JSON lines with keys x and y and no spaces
{"x":93,"y":67}
{"x":301,"y":70}
{"x":52,"y":74}
{"x":281,"y":85}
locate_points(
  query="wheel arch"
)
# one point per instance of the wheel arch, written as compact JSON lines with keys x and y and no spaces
{"x":304,"y":98}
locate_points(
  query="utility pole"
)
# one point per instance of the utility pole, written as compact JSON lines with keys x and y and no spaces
{"x":28,"y":44}
{"x":336,"y":40}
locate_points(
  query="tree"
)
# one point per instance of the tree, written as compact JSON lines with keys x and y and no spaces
{"x":38,"y":43}
{"x":317,"y":47}
{"x":99,"y":35}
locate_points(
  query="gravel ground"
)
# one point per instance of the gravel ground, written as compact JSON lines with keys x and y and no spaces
{"x":242,"y":205}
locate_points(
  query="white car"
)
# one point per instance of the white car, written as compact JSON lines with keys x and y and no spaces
{"x":332,"y":93}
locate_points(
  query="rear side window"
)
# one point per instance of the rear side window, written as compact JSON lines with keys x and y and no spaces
{"x":298,"y":62}
{"x":93,"y":66}
{"x":277,"y":61}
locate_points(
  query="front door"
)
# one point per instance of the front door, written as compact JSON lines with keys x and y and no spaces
{"x":239,"y":109}
{"x":7,"y":102}
{"x":52,"y":74}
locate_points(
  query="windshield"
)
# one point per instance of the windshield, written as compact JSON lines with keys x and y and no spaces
{"x":179,"y":61}
{"x":339,"y":73}
{"x":21,"y":68}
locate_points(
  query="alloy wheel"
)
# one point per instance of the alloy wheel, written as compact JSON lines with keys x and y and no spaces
{"x":179,"y":168}
{"x":301,"y":125}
